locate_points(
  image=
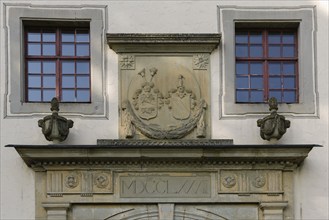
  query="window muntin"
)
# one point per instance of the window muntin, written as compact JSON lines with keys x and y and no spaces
{"x":266,"y":65}
{"x":57,"y":64}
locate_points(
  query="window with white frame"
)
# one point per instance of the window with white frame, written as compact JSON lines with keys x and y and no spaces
{"x":56,"y":52}
{"x":266,"y":65}
{"x":57,"y":61}
{"x":267,"y":52}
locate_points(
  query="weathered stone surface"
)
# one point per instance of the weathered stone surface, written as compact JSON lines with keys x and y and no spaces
{"x":165,"y":185}
{"x":122,"y":179}
{"x":133,"y":43}
{"x":164,"y":82}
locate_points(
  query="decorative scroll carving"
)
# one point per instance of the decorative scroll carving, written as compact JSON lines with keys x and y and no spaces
{"x":200,"y":61}
{"x":144,"y":111}
{"x":127,"y":62}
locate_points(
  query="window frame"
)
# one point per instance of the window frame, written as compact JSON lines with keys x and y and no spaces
{"x":17,"y":17}
{"x":58,"y":58}
{"x":266,"y":59}
{"x":302,"y":17}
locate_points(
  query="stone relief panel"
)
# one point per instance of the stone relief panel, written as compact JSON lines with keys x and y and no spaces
{"x":85,"y":183}
{"x":250,"y":181}
{"x":165,"y":185}
{"x":165,"y":97}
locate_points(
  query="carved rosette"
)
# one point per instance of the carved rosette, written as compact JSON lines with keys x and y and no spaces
{"x":259,"y":181}
{"x":101,"y":180}
{"x":144,"y":109}
{"x":71,"y":180}
{"x":83,"y":183}
{"x":250,"y":181}
{"x":201,"y":61}
{"x":127,"y":62}
{"x":229,"y":181}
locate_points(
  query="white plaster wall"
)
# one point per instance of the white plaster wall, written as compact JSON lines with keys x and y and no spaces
{"x":311,"y":188}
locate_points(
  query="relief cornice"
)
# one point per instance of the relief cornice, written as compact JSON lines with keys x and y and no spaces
{"x":164,"y":153}
{"x":138,"y":42}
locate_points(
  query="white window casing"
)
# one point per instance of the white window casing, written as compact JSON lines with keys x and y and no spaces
{"x":16,"y":15}
{"x":303,"y":18}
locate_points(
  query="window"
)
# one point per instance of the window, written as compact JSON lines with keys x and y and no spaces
{"x":282,"y":65}
{"x":41,"y":19}
{"x":57,"y":64}
{"x":266,"y":65}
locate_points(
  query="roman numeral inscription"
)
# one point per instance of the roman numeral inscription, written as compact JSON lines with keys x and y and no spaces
{"x":168,"y":186}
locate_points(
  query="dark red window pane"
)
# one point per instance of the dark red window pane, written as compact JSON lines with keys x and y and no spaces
{"x":241,"y":68}
{"x":68,"y":49}
{"x":256,"y":96}
{"x":49,"y":37}
{"x":68,"y":67}
{"x":83,"y":67}
{"x":241,"y":51}
{"x":256,"y":82}
{"x":242,"y":96}
{"x":67,"y":36}
{"x":256,"y":38}
{"x":34,"y":49}
{"x":256,"y":68}
{"x":242,"y":82}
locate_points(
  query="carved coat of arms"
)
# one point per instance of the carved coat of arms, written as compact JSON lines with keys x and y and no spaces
{"x":143,"y":109}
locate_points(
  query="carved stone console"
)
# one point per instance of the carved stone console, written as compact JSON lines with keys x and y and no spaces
{"x":172,"y":179}
{"x":164,"y":84}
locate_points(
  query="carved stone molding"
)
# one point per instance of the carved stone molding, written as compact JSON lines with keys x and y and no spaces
{"x":164,"y":84}
{"x":126,"y":178}
{"x":164,"y":100}
{"x":83,"y":182}
{"x":56,"y":211}
{"x":136,"y":42}
{"x":250,"y":181}
{"x":164,"y":151}
{"x":273,"y":210}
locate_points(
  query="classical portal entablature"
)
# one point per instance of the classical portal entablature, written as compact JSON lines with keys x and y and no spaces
{"x":168,"y":179}
{"x":164,"y":84}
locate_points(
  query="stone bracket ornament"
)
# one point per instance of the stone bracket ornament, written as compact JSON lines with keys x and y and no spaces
{"x":273,"y":126}
{"x":54,"y":127}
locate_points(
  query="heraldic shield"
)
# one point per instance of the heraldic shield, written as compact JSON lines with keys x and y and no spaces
{"x":180,"y":101}
{"x":156,"y":116}
{"x":147,"y":102}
